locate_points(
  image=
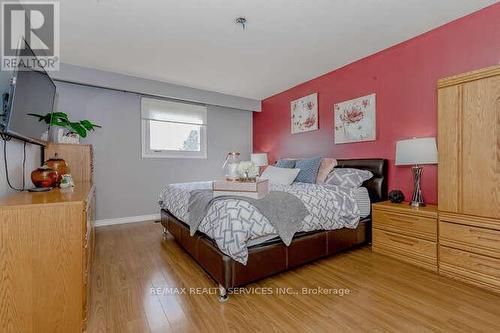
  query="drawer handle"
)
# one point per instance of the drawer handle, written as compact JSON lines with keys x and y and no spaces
{"x":400,"y":220}
{"x":483,"y":258}
{"x":402,"y":241}
{"x":487,"y":239}
{"x":484,"y":232}
{"x":488,"y":266}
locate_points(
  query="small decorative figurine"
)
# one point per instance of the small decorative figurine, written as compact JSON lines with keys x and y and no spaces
{"x":66,"y":181}
{"x":396,"y":196}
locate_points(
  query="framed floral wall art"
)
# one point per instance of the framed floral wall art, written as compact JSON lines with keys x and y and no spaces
{"x":304,"y":114}
{"x":355,"y":120}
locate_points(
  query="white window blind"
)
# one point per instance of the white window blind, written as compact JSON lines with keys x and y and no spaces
{"x":173,"y":129}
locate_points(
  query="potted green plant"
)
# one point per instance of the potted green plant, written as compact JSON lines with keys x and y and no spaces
{"x":61,"y":119}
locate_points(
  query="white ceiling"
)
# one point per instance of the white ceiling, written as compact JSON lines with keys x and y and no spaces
{"x":196,"y":43}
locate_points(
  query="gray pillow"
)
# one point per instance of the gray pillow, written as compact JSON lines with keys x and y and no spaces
{"x":348,"y":177}
{"x":289,"y":164}
{"x":308,"y":170}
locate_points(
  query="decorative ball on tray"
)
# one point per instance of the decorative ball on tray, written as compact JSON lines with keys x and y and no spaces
{"x":396,"y":196}
{"x":248,"y":171}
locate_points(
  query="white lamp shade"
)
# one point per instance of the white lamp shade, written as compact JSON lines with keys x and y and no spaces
{"x":259,"y":159}
{"x":416,"y":151}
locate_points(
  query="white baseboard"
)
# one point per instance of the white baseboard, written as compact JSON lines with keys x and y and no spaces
{"x":129,"y":219}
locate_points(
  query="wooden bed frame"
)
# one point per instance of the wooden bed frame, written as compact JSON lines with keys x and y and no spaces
{"x":274,"y":256}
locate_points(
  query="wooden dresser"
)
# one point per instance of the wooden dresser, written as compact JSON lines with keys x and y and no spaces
{"x":406,"y":233}
{"x":469,"y":177}
{"x":79,"y":157}
{"x":46,"y":250}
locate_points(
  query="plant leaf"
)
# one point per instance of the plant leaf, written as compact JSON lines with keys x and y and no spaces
{"x":59,"y":115}
{"x":61,"y":119}
{"x":60,"y":122}
{"x":40,"y":117}
{"x":78,"y":128}
{"x":95,"y":125}
{"x":87,"y":124}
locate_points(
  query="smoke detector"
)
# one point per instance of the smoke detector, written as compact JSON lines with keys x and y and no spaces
{"x":241,"y":21}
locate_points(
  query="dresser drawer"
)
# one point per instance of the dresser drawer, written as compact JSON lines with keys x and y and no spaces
{"x":470,"y":267}
{"x":474,"y":239}
{"x":411,"y":225}
{"x":410,"y":249}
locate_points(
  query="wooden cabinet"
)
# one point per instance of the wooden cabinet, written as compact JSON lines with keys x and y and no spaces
{"x":406,"y":233}
{"x":469,"y":177}
{"x":470,"y":238}
{"x":88,"y":246}
{"x":79,"y":157}
{"x":420,"y":226}
{"x":482,"y":271}
{"x":449,"y":156}
{"x":481,"y":147}
{"x":46,"y":249}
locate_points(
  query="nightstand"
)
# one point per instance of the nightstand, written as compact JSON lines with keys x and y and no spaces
{"x":406,"y":233}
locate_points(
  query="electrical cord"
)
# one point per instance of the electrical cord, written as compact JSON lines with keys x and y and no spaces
{"x":24,"y":165}
{"x":5,"y":139}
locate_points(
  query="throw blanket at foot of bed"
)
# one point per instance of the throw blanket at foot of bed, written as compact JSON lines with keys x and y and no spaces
{"x":284,"y":211}
{"x":234,"y":222}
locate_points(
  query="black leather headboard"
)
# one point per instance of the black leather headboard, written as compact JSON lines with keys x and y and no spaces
{"x":377,"y":186}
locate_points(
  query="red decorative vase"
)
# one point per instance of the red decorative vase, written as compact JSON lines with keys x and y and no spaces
{"x":44,"y":177}
{"x":59,"y":165}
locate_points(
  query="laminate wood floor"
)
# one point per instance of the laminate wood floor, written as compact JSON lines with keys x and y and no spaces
{"x":134,"y":266}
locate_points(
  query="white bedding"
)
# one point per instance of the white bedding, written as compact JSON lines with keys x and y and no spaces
{"x":235,"y":224}
{"x":361,"y":197}
{"x":176,"y":203}
{"x":363,"y":200}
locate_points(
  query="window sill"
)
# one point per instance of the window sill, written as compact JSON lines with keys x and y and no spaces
{"x":173,"y":156}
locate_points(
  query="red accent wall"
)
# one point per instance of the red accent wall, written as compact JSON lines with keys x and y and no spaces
{"x":404,"y":79}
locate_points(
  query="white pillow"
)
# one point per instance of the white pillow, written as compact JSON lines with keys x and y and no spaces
{"x":282,"y":176}
{"x":348,"y":177}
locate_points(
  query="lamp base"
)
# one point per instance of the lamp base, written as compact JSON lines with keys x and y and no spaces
{"x":417,"y":199}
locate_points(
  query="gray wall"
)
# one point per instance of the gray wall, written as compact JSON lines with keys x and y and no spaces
{"x":15,"y":164}
{"x":128,"y":185}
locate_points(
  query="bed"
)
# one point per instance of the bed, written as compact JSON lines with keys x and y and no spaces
{"x":272,"y":256}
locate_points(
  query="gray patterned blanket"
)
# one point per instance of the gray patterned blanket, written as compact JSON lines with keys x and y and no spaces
{"x":233,"y":223}
{"x":284,"y":211}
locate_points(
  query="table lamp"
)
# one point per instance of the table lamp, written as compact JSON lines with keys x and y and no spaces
{"x":416,"y":151}
{"x":259,"y":160}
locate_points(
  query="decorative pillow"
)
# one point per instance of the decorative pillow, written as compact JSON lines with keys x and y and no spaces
{"x":283,"y":176}
{"x":286,"y":163}
{"x":348,"y":177}
{"x":326,"y":166}
{"x":308,"y":170}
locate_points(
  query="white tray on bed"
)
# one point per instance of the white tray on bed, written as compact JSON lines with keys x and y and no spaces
{"x":255,"y":190}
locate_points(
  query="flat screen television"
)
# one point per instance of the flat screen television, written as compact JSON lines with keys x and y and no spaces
{"x":31,"y":91}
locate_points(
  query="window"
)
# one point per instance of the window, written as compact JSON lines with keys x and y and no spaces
{"x":173,"y":129}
